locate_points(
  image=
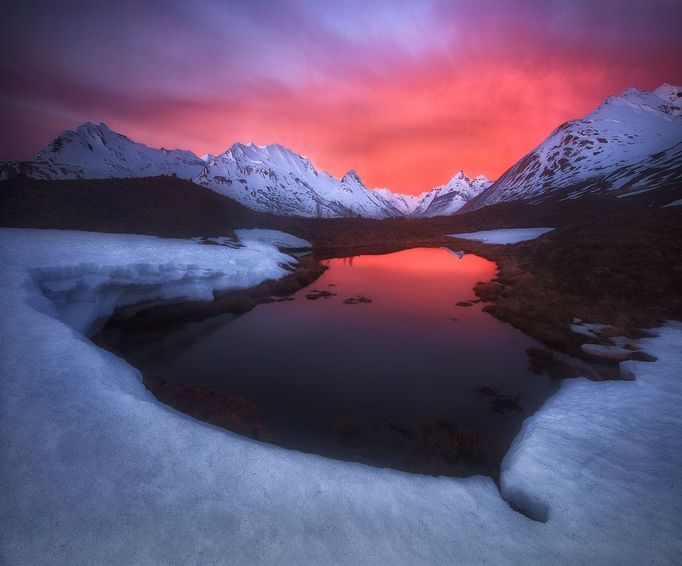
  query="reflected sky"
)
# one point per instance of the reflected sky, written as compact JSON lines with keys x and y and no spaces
{"x":410,"y":356}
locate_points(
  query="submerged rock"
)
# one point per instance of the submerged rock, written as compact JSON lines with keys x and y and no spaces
{"x":608,"y":352}
{"x":356,"y":300}
{"x":319,"y":294}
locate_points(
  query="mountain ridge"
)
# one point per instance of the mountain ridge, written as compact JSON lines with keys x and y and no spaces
{"x":270,"y":178}
{"x":625,"y":133}
{"x":630,"y":142}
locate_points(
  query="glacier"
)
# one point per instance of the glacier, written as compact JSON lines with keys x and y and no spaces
{"x":93,"y":470}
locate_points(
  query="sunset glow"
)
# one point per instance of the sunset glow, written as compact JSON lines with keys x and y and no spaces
{"x":405,"y":93}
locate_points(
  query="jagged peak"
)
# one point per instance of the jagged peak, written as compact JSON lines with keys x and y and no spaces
{"x":670,"y":93}
{"x":269,"y":150}
{"x":458,"y":178}
{"x":101,"y":129}
{"x":352,"y":176}
{"x":631,"y":90}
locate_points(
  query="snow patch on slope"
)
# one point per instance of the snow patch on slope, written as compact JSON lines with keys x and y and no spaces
{"x":503,"y":236}
{"x":272,"y":237}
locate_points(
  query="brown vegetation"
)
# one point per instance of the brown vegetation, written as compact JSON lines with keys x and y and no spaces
{"x":319,"y":294}
{"x":226,"y":411}
{"x":440,"y":447}
{"x":360,"y":299}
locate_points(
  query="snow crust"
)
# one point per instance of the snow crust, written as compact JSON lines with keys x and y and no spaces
{"x":94,"y":471}
{"x":503,"y":236}
{"x":605,"y":457}
{"x":272,"y":237}
{"x":88,"y":275}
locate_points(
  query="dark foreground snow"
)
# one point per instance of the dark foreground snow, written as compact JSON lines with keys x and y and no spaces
{"x":95,"y":471}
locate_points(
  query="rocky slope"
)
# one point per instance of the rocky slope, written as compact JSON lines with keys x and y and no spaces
{"x":630,"y":143}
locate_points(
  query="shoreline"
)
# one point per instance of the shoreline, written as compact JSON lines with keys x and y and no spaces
{"x":105,"y":455}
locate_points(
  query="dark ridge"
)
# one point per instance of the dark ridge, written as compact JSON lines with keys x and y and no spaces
{"x":158,"y":206}
{"x":612,"y":260}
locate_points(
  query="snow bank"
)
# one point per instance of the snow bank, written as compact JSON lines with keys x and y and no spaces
{"x":602,"y":460}
{"x":88,"y":275}
{"x":94,"y":471}
{"x":503,"y":236}
{"x":272,"y":237}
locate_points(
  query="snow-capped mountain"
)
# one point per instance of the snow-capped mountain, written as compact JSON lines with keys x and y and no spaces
{"x":449,"y":198}
{"x":268,"y":178}
{"x":404,"y":204}
{"x":95,"y":151}
{"x":630,"y":142}
{"x":442,"y":200}
{"x":610,"y":148}
{"x":274,"y":179}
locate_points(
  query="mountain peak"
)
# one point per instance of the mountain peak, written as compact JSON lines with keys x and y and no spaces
{"x":630,"y":91}
{"x":622,"y":134}
{"x":97,"y":129}
{"x":670,"y":93}
{"x":352,"y":176}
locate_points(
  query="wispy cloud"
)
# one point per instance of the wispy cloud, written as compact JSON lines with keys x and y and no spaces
{"x":405,"y":92}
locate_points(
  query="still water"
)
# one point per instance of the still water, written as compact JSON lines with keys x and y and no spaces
{"x":409,"y":380}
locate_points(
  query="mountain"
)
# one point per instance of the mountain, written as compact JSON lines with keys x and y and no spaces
{"x":630,"y":142}
{"x":442,"y":200}
{"x":404,"y":204}
{"x":268,"y":178}
{"x":95,"y":151}
{"x":274,"y":179}
{"x":449,"y":198}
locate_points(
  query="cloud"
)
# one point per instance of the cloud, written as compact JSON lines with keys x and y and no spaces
{"x":406,"y":93}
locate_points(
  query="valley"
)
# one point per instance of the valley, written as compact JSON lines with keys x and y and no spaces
{"x":270,"y":344}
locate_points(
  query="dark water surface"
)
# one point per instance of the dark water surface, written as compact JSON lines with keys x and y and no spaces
{"x":409,"y":381}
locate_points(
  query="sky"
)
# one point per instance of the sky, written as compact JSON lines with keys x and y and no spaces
{"x":405,"y":93}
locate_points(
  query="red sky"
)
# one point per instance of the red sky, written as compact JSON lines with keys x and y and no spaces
{"x":405,"y":93}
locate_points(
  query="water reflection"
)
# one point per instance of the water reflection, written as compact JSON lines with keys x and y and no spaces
{"x":408,"y":380}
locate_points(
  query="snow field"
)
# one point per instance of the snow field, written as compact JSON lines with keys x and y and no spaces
{"x":95,"y":471}
{"x":503,"y":236}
